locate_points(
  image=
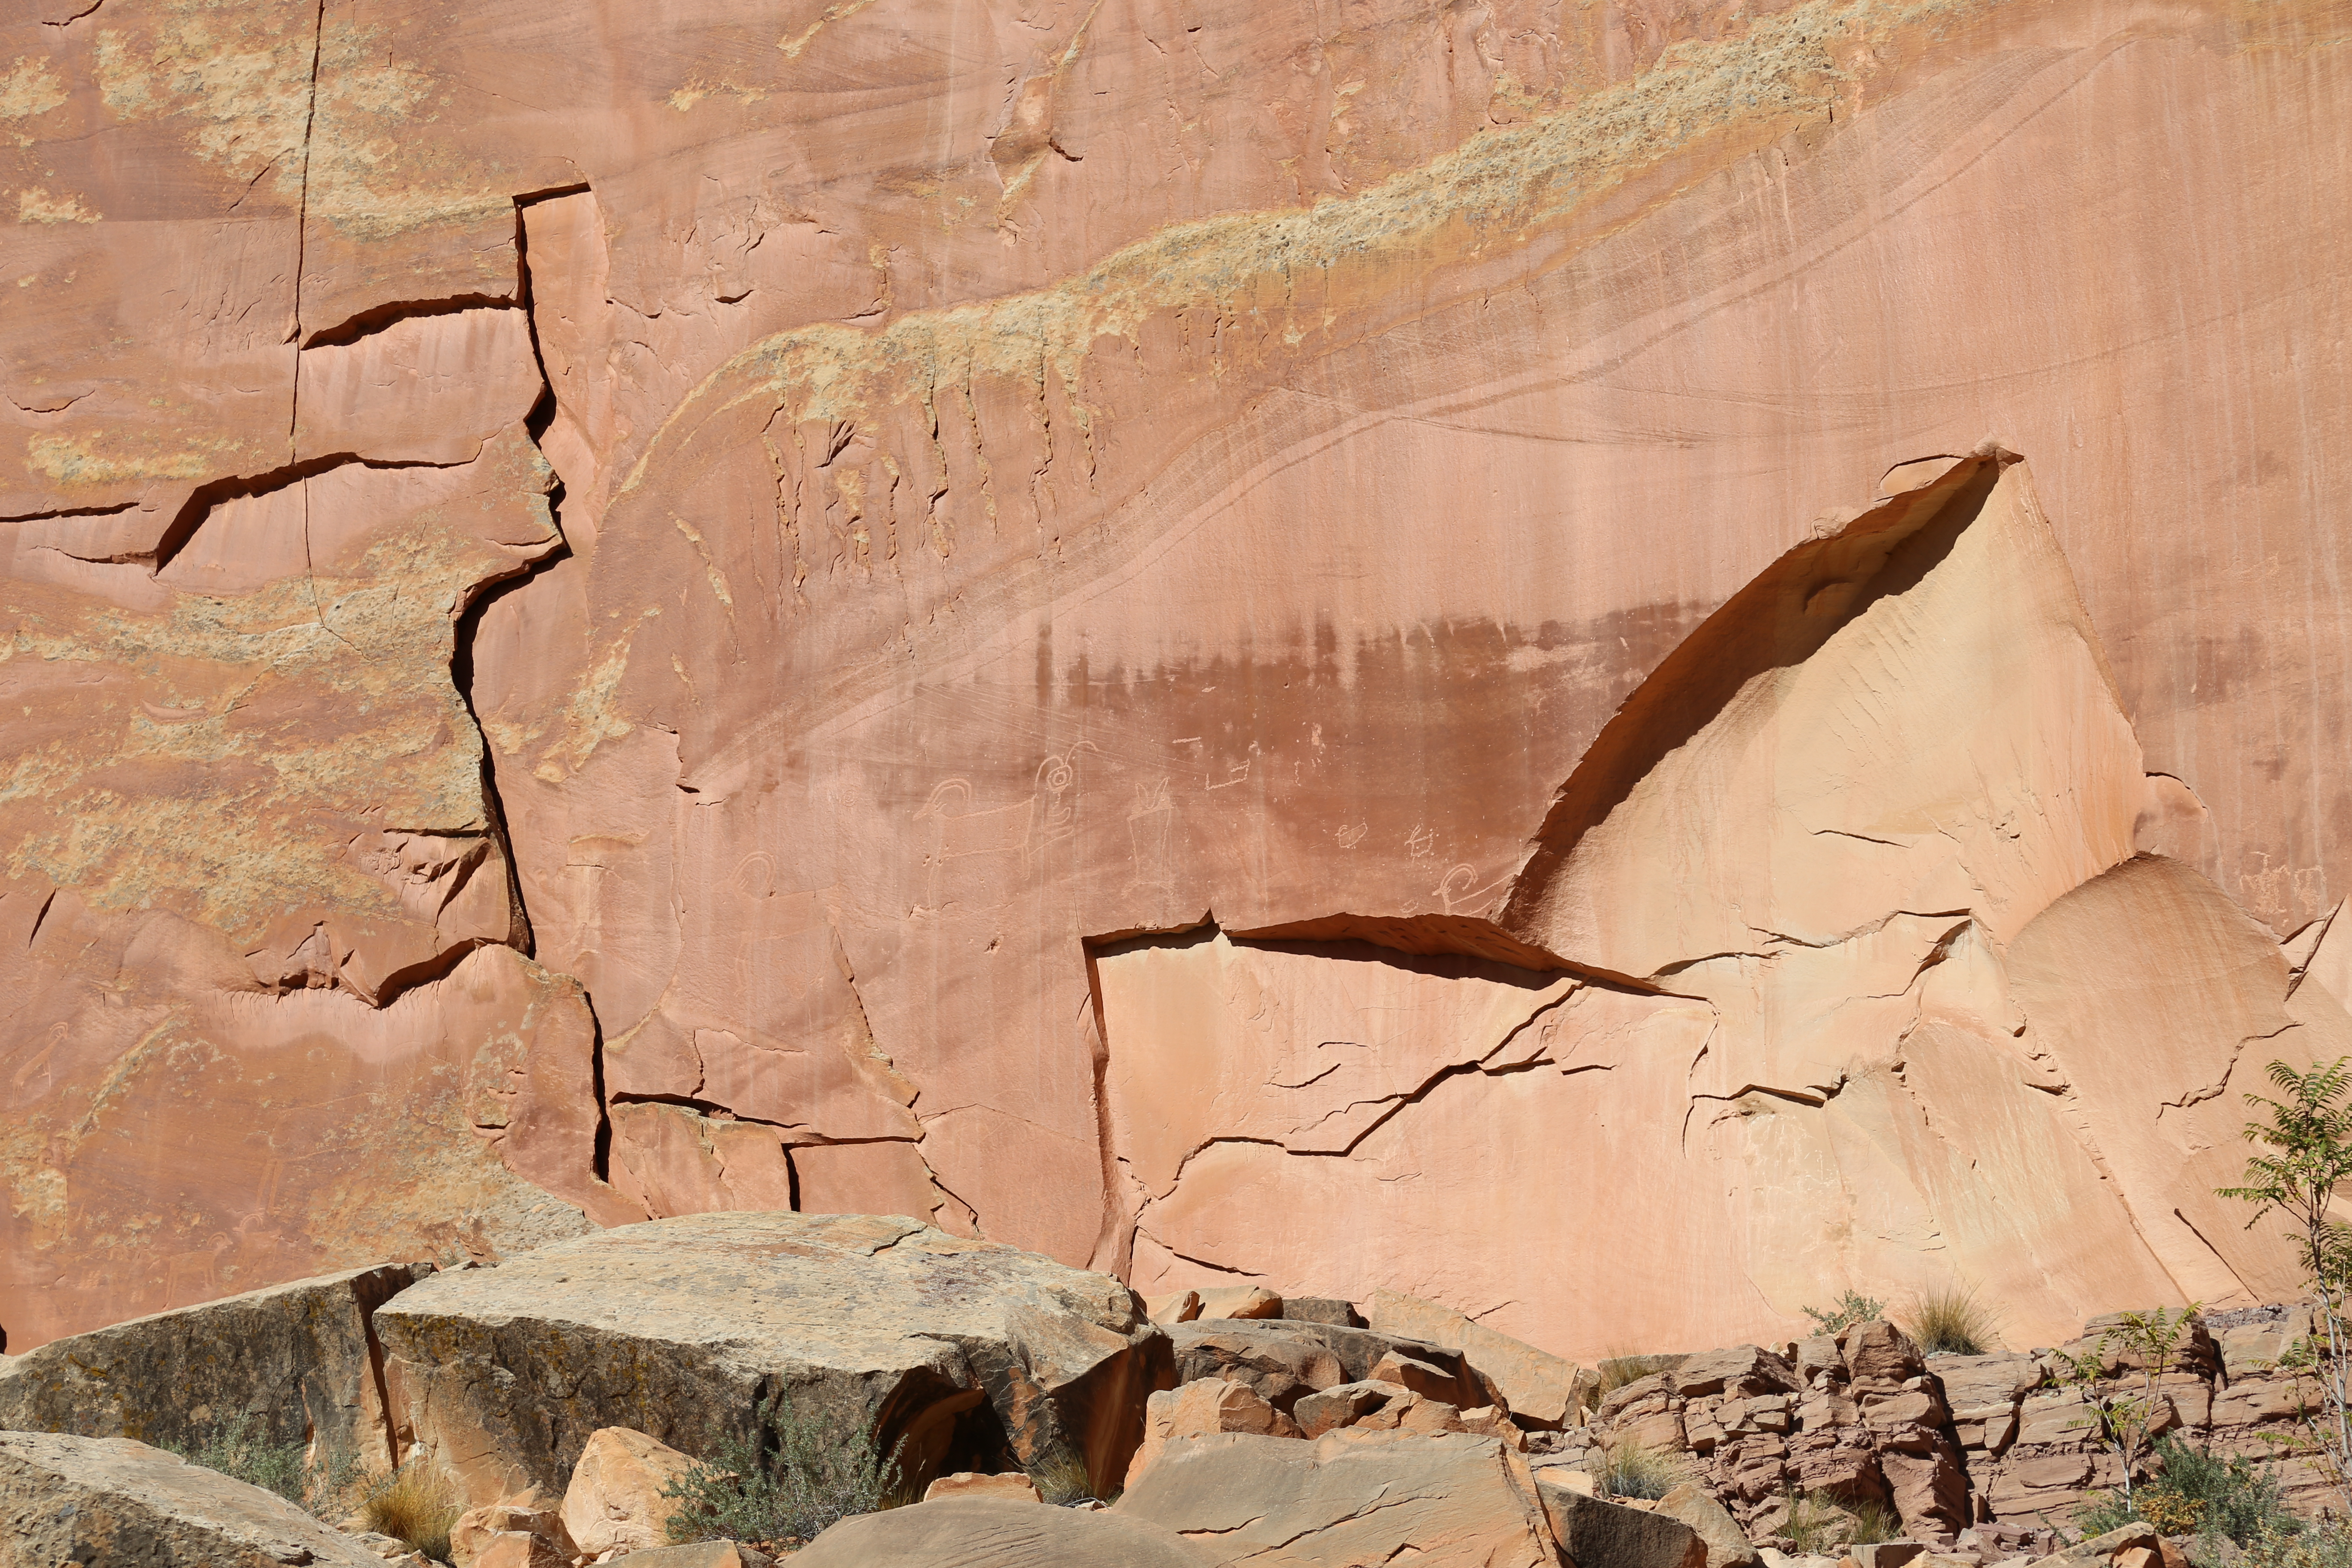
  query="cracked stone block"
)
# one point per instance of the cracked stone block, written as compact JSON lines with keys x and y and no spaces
{"x":299,"y":1361}
{"x":616,"y":1496}
{"x":65,"y":1499}
{"x":1199,"y":1408}
{"x":951,"y":1533}
{"x":877,"y":1329}
{"x":1592,"y":1532}
{"x":1346,"y":1498}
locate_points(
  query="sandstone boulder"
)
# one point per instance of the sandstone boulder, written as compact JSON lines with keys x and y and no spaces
{"x":1011,"y":1486}
{"x":1983,"y":1394}
{"x":389,"y":1548}
{"x":1737,"y":1372}
{"x":109,"y":1501}
{"x":1240,"y":1301}
{"x":1322,"y":1310}
{"x":1426,"y":1378}
{"x":1887,"y":1553}
{"x":1343,"y":1498}
{"x":299,"y":1360}
{"x":1539,"y":1388}
{"x":1414,"y":1415}
{"x":615,"y":1496}
{"x":1881,"y":1352}
{"x":1344,"y":1404}
{"x":1593,"y":1532}
{"x":1492,"y":1421}
{"x":1180,"y":1307}
{"x":988,"y":1533}
{"x":2106,"y":1548}
{"x":1197,"y":1409}
{"x":880,"y":1330}
{"x":471,"y":1536}
{"x":1283,"y":1359}
{"x":1727,"y":1545}
{"x":1280,"y":1361}
{"x":702,"y":1554}
{"x":2194,"y":1349}
{"x":511,"y":1549}
{"x":2255,"y":1345}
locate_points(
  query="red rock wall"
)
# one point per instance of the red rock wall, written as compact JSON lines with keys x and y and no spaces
{"x":800,"y":518}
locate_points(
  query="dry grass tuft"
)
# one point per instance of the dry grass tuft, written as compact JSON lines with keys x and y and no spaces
{"x":1814,"y":1525}
{"x":1817,"y":1524}
{"x":1637,"y":1470}
{"x":413,"y":1505}
{"x":1953,"y":1322}
{"x":1062,"y":1478}
{"x":1871,"y":1522}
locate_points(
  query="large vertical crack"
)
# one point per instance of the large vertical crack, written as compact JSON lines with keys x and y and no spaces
{"x":302,"y":215}
{"x":1114,"y":1248}
{"x":461,"y":662}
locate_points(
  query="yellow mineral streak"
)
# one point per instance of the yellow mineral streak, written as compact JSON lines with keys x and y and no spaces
{"x":241,"y":79}
{"x":35,"y":204}
{"x":793,"y":43}
{"x":592,"y":716}
{"x":28,"y":89}
{"x":373,"y":647}
{"x":1496,"y":190}
{"x":238,"y":77}
{"x":375,"y":171}
{"x":111,"y":456}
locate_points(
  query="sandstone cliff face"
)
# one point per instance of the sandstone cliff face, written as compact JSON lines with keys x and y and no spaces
{"x":616,"y":612}
{"x":1863,"y":975}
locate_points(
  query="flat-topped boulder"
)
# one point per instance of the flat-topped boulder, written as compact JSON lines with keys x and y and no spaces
{"x":961,"y":1354}
{"x":1279,"y":1502}
{"x":974,"y":1531}
{"x":111,"y":1501}
{"x":298,"y":1360}
{"x":1595,"y":1532}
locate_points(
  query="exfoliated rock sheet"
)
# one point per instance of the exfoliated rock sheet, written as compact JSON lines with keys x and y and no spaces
{"x":947,"y":1353}
{"x":1614,"y":668}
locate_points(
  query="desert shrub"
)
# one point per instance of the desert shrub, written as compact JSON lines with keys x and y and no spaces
{"x":1851,"y":1309}
{"x":1637,"y":1470}
{"x":784,"y":1484}
{"x":2232,"y":1497}
{"x":413,"y":1505}
{"x":1617,"y":1371}
{"x":2307,"y":1145}
{"x":2197,"y":1494}
{"x":2328,"y":1545}
{"x":1952,"y":1321}
{"x":2123,"y":1419}
{"x":2171,"y":1514}
{"x":2101,"y":1511}
{"x":241,"y":1448}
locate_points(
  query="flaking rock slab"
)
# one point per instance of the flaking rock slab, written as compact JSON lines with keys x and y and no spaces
{"x":990,"y":1532}
{"x":960,"y":1355}
{"x":1346,"y":1497}
{"x":111,"y":1501}
{"x":297,"y":1359}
